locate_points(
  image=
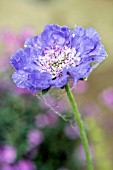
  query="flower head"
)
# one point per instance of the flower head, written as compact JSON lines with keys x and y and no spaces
{"x":51,"y":58}
{"x":35,"y":137}
{"x":25,"y":164}
{"x":7,"y":154}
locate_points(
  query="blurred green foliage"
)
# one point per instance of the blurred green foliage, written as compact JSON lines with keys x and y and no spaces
{"x":17,"y":118}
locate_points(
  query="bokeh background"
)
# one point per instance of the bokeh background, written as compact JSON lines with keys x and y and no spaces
{"x":32,"y":136}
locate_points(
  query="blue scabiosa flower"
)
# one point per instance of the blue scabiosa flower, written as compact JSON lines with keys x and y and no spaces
{"x":51,"y":58}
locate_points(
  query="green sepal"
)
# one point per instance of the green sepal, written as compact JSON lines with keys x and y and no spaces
{"x":45,"y":91}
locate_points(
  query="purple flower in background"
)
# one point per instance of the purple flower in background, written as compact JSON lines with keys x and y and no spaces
{"x":81,"y":155}
{"x":48,"y":119}
{"x":41,"y":120}
{"x":90,"y":109}
{"x":25,"y":33}
{"x":107,"y":97}
{"x":9,"y":42}
{"x":71,"y":132}
{"x":81,"y":87}
{"x":56,"y":102}
{"x":7,"y":167}
{"x":25,"y":165}
{"x":51,"y":58}
{"x":7,"y":154}
{"x":35,"y":137}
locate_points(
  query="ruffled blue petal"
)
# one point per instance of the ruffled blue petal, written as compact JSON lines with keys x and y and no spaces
{"x":78,"y":31}
{"x":81,"y":72}
{"x":40,"y":80}
{"x":20,"y":78}
{"x":24,"y":60}
{"x":19,"y":60}
{"x":60,"y":81}
{"x":87,"y":43}
{"x":54,"y":34}
{"x":36,"y":44}
{"x":97,"y":55}
{"x":92,"y":34}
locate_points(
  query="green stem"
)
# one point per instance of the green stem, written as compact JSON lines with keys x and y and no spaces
{"x":81,"y":127}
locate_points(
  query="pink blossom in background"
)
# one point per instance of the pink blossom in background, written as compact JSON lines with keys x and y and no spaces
{"x":71,"y":132}
{"x":4,"y":63}
{"x":81,"y":155}
{"x":49,"y":100}
{"x":7,"y":167}
{"x":25,"y":33}
{"x":90,"y":109}
{"x":5,"y":84}
{"x":10,"y":41}
{"x":48,"y":119}
{"x":81,"y":87}
{"x":8,"y":154}
{"x":62,"y":106}
{"x":106,"y":97}
{"x":52,"y":118}
{"x":57,"y":103}
{"x":25,"y":165}
{"x":19,"y":91}
{"x":41,"y":120}
{"x":35,"y":137}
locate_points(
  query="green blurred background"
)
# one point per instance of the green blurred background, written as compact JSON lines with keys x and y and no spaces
{"x":17,"y":14}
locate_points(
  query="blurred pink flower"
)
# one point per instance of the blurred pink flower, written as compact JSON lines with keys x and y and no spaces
{"x":4,"y":63}
{"x":7,"y":167}
{"x":71,"y":132}
{"x":25,"y":33}
{"x":35,"y":137}
{"x":47,"y":101}
{"x":81,"y":87}
{"x":81,"y":155}
{"x":25,"y":165}
{"x":19,"y":91}
{"x":8,"y":154}
{"x":107,"y":97}
{"x":10,"y":41}
{"x":90,"y":109}
{"x":41,"y":120}
{"x":48,"y":119}
{"x":52,"y":118}
{"x":54,"y":104}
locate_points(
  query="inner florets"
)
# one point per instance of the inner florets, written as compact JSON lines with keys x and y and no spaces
{"x":55,"y":59}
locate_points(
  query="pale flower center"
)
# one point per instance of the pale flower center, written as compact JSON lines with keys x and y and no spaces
{"x":55,"y":59}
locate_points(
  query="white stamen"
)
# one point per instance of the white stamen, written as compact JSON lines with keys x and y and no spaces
{"x":73,"y":35}
{"x":56,"y":59}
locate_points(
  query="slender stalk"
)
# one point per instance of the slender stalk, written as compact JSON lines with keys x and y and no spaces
{"x":81,"y":127}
